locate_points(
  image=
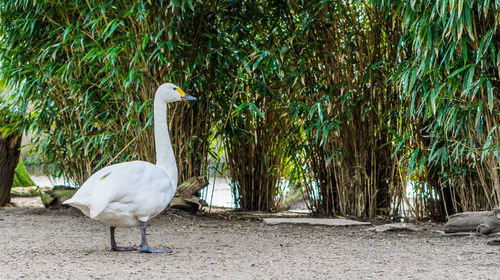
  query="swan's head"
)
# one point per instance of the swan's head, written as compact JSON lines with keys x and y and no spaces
{"x":171,"y":93}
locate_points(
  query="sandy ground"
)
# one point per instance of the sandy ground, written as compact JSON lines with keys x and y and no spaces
{"x":64,"y":244}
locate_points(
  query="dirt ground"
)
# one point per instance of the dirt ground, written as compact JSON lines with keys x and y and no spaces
{"x":64,"y":244}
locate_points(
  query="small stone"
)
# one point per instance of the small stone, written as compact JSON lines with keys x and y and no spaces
{"x":395,"y":227}
{"x":313,"y":221}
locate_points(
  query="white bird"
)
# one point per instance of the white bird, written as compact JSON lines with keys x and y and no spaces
{"x":131,"y":193}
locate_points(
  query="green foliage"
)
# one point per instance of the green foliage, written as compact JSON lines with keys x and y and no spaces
{"x":11,"y":115}
{"x":340,"y":55}
{"x":346,"y":100}
{"x":90,"y":72}
{"x":21,"y":177}
{"x":253,"y":121}
{"x":449,"y":80}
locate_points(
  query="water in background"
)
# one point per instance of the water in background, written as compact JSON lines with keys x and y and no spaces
{"x":45,"y":181}
{"x":218,"y":193}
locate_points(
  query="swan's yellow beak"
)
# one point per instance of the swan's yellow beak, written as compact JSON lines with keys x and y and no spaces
{"x":185,"y":96}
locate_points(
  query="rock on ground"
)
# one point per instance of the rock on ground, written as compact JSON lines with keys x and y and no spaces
{"x":396,"y":227}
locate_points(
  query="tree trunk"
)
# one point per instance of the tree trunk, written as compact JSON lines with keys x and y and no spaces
{"x":9,"y":156}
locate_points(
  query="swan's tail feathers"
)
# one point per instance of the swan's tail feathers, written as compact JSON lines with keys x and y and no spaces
{"x":80,"y":205}
{"x":74,"y":202}
{"x":67,"y":202}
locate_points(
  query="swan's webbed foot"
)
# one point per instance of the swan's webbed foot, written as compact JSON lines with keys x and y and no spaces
{"x":151,"y":250}
{"x":144,"y":244}
{"x":113,"y":243}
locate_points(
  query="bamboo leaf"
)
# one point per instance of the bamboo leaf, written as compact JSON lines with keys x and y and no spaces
{"x":257,"y":62}
{"x":413,"y":160}
{"x":464,"y":51}
{"x":486,"y":6}
{"x":489,"y":91}
{"x":170,"y":45}
{"x":483,"y":46}
{"x":241,"y":108}
{"x":458,"y":71}
{"x":255,"y":111}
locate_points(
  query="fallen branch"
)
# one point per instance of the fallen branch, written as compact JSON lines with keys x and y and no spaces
{"x":187,"y":196}
{"x":484,"y":222}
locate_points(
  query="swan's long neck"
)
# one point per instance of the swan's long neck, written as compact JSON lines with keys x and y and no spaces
{"x":165,"y":157}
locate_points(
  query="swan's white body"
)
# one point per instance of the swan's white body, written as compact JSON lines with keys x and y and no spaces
{"x":131,"y":193}
{"x":123,"y":194}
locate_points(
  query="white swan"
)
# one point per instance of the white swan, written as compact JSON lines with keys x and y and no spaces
{"x":131,"y":193}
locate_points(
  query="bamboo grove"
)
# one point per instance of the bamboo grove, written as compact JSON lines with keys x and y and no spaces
{"x":349,"y":101}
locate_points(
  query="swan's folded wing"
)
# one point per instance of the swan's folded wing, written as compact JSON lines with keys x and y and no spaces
{"x":113,"y":183}
{"x":99,"y":203}
{"x":106,"y":184}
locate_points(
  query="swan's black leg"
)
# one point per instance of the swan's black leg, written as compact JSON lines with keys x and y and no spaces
{"x":113,"y":242}
{"x":144,"y":245}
